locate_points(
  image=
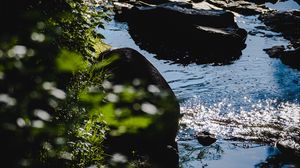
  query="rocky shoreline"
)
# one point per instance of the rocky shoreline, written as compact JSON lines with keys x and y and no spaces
{"x":177,"y":31}
{"x":172,"y":32}
{"x":155,"y":34}
{"x":287,"y":23}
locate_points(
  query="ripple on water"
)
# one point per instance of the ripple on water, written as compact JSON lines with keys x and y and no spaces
{"x":284,"y":5}
{"x":266,"y":121}
{"x":255,"y":98}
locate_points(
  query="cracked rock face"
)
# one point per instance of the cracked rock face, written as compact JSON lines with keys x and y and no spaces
{"x":178,"y":32}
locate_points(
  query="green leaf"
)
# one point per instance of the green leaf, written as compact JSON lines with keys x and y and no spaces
{"x":133,"y":124}
{"x":96,"y":98}
{"x":105,"y":62}
{"x":68,"y":61}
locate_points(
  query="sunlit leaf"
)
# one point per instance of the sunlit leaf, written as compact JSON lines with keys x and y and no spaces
{"x":133,"y":124}
{"x":68,"y":61}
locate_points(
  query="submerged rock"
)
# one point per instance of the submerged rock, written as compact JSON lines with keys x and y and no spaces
{"x":157,"y":139}
{"x":178,"y":32}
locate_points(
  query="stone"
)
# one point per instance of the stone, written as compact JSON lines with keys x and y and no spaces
{"x":289,"y":148}
{"x":263,"y":1}
{"x":158,"y":139}
{"x":291,"y":58}
{"x":288,"y":57}
{"x":241,"y":7}
{"x":205,"y":138}
{"x":288,"y":23}
{"x":178,"y":32}
{"x":275,"y":51}
{"x":197,"y":1}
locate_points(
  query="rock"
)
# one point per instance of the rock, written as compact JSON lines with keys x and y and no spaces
{"x":241,"y":7}
{"x":288,"y":57}
{"x":275,"y":52}
{"x":264,"y":1}
{"x":288,"y":23}
{"x":158,"y":139}
{"x":205,"y":138}
{"x":289,"y":148}
{"x":197,"y":1}
{"x":291,"y":58}
{"x":178,"y":32}
{"x":156,"y":2}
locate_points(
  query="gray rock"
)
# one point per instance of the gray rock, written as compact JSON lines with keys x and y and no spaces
{"x":205,"y":138}
{"x":288,"y":23}
{"x":240,"y":6}
{"x":275,"y":51}
{"x":178,"y":32}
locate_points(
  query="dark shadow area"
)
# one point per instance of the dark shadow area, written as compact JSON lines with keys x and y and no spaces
{"x":278,"y":159}
{"x":178,"y":32}
{"x":156,"y":101}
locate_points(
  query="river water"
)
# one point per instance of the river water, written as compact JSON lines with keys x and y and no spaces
{"x":249,"y":104}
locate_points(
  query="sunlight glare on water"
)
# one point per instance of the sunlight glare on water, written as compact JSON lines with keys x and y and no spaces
{"x":255,"y":98}
{"x":267,"y":121}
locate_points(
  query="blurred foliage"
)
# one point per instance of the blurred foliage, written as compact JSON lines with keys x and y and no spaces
{"x":55,"y":109}
{"x":70,"y":62}
{"x":43,"y":44}
{"x":127,"y":110}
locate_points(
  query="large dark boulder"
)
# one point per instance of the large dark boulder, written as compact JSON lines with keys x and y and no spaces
{"x":156,"y":142}
{"x":177,"y":31}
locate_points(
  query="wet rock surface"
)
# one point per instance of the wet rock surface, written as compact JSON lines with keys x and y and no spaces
{"x":291,"y":58}
{"x":288,"y":147}
{"x":241,"y":7}
{"x":205,"y":138}
{"x":288,"y":23}
{"x":275,"y":52}
{"x":269,"y":81}
{"x":178,"y":32}
{"x":288,"y":57}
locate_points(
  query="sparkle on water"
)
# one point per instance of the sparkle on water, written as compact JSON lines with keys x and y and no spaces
{"x":255,"y":98}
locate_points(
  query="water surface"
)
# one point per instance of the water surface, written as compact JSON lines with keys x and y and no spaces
{"x":255,"y":98}
{"x":284,"y":5}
